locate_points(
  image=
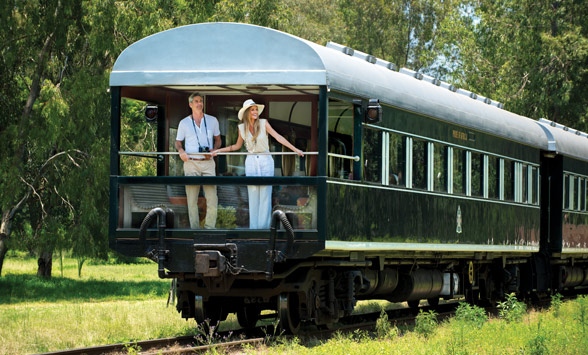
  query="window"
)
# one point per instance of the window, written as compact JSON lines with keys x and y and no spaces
{"x":581,"y":194}
{"x":477,"y":174}
{"x":566,"y":189}
{"x":524,"y":183}
{"x":571,"y":190}
{"x":372,"y":155}
{"x":534,"y":175}
{"x":508,"y":182}
{"x":493,"y":180}
{"x":397,"y":159}
{"x":584,"y":199}
{"x":440,"y":167}
{"x":459,"y":171}
{"x":419,"y":164}
{"x":340,"y":138}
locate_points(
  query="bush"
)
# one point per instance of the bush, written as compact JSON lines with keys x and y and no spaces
{"x":582,"y":315}
{"x":511,"y":309}
{"x":226,"y":218}
{"x":471,"y":314}
{"x":384,"y":328}
{"x":556,"y":303}
{"x":537,"y":344}
{"x":426,"y":323}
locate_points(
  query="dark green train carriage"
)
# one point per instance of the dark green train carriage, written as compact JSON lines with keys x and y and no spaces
{"x":410,"y":188}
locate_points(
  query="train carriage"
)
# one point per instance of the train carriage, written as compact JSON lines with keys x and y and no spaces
{"x":410,"y":188}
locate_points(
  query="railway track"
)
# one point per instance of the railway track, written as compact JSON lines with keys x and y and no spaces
{"x":256,"y":336}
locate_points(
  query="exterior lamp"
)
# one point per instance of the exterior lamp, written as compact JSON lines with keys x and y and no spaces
{"x":373,"y":114}
{"x":151,"y":113}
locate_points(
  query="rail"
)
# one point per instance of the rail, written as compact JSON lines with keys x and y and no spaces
{"x":158,"y":154}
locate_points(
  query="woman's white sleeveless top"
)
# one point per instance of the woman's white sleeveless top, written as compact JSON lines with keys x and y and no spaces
{"x":258,"y":145}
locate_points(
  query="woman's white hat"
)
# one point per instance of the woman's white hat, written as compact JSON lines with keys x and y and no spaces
{"x":248,"y":103}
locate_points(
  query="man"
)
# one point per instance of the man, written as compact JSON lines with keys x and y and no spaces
{"x":201,"y":134}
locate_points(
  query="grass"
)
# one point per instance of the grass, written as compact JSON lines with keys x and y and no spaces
{"x":559,"y":330}
{"x":108,"y":304}
{"x":99,"y":282}
{"x":123,"y":303}
{"x":537,"y":333}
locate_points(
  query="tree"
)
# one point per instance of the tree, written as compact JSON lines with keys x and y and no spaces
{"x":31,"y":36}
{"x":530,"y":55}
{"x":56,"y":57}
{"x":404,"y":32}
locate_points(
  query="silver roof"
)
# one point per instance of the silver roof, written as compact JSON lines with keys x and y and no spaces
{"x":239,"y":54}
{"x":565,"y":141}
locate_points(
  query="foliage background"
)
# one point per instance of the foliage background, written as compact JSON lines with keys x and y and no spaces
{"x":56,"y":56}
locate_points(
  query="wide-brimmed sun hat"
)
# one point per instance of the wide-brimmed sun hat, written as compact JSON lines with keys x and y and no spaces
{"x":248,"y":103}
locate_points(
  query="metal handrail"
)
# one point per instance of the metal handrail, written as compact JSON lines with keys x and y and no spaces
{"x":222,"y":153}
{"x":354,"y":158}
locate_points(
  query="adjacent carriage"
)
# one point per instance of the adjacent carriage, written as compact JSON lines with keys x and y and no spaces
{"x":410,"y":189}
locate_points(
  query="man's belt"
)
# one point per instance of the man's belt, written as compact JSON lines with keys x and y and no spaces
{"x":206,"y":157}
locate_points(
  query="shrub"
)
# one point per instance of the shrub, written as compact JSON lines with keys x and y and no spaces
{"x":226,"y":218}
{"x":426,"y":323}
{"x":471,"y":314}
{"x":511,"y":309}
{"x":537,"y":346}
{"x":582,"y":315}
{"x":384,"y":328}
{"x":556,"y":303}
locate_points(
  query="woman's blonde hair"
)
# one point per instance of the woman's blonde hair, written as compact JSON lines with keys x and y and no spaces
{"x":247,"y":123}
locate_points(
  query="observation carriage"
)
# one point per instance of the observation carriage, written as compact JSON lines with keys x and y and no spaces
{"x":410,"y":189}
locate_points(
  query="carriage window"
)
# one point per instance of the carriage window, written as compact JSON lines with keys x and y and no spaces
{"x":508,"y":176}
{"x":397,"y":159}
{"x":493,"y":180}
{"x":581,"y":200}
{"x":534,"y":176}
{"x":566,"y":193}
{"x":477,"y":171}
{"x":571,"y":190}
{"x":459,"y":171}
{"x":524,"y":183}
{"x":372,"y":155}
{"x":584,"y":191}
{"x":136,"y":135}
{"x":292,"y":119}
{"x":340,"y":139}
{"x":440,"y":169}
{"x":419,"y":164}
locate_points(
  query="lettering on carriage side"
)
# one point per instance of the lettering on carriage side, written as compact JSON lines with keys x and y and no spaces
{"x":460,"y":135}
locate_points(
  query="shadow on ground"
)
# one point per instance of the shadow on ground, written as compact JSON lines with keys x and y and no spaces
{"x":30,"y":288}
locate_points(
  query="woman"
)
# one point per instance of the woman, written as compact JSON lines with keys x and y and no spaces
{"x":253,"y":131}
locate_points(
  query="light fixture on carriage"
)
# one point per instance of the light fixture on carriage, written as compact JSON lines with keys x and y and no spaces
{"x":373,"y":113}
{"x":151,"y":113}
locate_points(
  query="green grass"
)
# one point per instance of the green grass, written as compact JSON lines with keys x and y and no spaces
{"x":19,"y":282}
{"x":107,"y":304}
{"x":127,"y":302}
{"x":557,"y":331}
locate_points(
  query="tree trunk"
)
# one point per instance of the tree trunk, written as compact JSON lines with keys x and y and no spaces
{"x":45,"y":263}
{"x":5,"y":228}
{"x":3,"y":249}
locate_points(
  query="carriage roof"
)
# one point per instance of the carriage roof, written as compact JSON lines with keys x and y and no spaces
{"x":232,"y":56}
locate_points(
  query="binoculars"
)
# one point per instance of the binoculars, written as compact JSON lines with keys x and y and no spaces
{"x":203,"y":150}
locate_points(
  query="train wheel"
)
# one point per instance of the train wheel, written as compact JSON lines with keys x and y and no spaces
{"x":289,"y":313}
{"x":207,"y":315}
{"x":248,"y":316}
